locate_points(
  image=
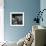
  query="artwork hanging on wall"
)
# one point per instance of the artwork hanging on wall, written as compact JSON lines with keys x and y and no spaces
{"x":16,"y":18}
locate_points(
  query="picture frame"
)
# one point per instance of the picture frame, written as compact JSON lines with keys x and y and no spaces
{"x":16,"y":18}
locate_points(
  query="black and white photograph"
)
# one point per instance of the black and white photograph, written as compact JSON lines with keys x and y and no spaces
{"x":17,"y":18}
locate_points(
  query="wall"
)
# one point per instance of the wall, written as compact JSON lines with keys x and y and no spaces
{"x":1,"y":21}
{"x":29,"y":7}
{"x":43,"y":6}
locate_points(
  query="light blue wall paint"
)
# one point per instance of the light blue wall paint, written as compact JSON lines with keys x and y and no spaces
{"x":43,"y":6}
{"x":29,"y":7}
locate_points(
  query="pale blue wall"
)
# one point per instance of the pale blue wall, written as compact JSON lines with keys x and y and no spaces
{"x":43,"y":6}
{"x":29,"y":7}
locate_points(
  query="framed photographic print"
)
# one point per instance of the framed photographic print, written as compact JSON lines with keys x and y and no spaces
{"x":16,"y":18}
